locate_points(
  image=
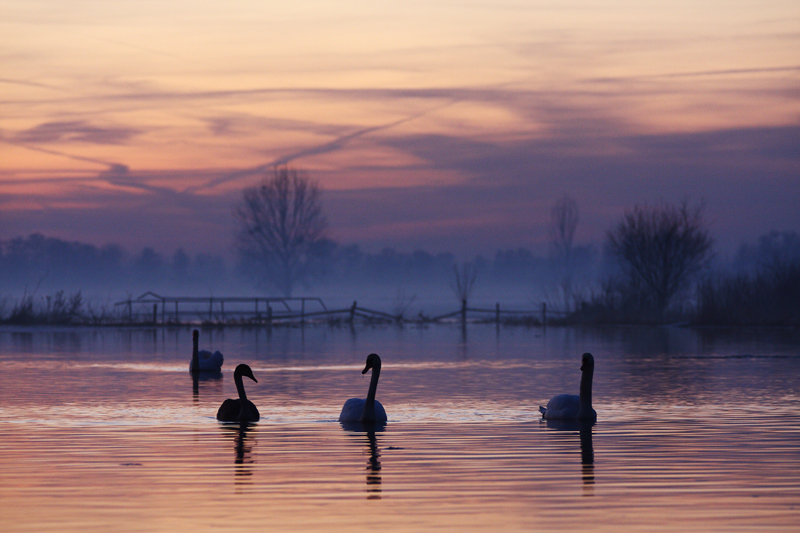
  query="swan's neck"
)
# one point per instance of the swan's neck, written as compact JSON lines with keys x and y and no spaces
{"x":369,"y":405}
{"x":586,"y":388}
{"x":195,"y":356}
{"x":240,"y":387}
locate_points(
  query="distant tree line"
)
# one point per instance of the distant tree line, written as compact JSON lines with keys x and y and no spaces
{"x":37,"y":262}
{"x":54,"y":264}
{"x":655,"y":265}
{"x":761,"y":288}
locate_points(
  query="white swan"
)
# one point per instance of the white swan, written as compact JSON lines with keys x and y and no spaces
{"x":569,"y":406}
{"x":203,"y":360}
{"x":369,"y":410}
{"x":241,"y":409}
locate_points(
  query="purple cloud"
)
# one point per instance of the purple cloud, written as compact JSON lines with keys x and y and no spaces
{"x":74,"y":131}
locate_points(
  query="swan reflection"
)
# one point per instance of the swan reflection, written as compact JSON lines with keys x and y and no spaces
{"x":373,"y":467}
{"x":243,"y":446}
{"x":584,"y":429}
{"x":212,"y":378}
{"x":373,"y":463}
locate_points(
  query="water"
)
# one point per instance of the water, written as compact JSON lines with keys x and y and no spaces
{"x":104,"y":429}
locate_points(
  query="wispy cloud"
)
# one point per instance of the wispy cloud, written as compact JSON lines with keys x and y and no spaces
{"x":703,"y":73}
{"x":28,"y":83}
{"x":74,"y":131}
{"x":59,"y":153}
{"x":336,"y":144}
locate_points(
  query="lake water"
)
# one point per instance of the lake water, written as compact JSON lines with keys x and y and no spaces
{"x":104,"y":429}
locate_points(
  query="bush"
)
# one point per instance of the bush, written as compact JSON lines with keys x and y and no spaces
{"x":769,"y":297}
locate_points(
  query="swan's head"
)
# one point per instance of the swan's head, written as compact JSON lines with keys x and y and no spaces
{"x":587,"y":363}
{"x":244,"y":370}
{"x":373,"y":361}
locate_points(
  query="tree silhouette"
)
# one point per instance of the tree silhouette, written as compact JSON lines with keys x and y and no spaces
{"x":564,"y":221}
{"x":660,"y":247}
{"x":280,"y":223}
{"x":463,"y":283}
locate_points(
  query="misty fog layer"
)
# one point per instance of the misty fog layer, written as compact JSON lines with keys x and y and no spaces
{"x":391,"y":281}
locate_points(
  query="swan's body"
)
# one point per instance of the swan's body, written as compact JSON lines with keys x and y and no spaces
{"x":241,"y":409}
{"x":353,"y":410}
{"x":203,"y":360}
{"x":366,"y":410}
{"x":570,"y":406}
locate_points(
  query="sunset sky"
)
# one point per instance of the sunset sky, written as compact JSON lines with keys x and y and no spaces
{"x":443,"y":125}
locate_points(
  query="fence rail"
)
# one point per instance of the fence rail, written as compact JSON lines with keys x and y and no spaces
{"x":175,"y":308}
{"x":154,"y":309}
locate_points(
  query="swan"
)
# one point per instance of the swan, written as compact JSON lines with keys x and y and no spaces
{"x":369,"y":410}
{"x":203,"y":360}
{"x":241,"y":410}
{"x":569,"y":406}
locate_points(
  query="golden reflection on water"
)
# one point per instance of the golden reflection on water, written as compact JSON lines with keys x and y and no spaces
{"x":467,"y":475}
{"x":125,"y":447}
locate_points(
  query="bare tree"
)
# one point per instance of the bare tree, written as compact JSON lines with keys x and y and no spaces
{"x":564,"y":221}
{"x":280,"y":223}
{"x":402,"y":302}
{"x":464,"y":281}
{"x":660,"y":248}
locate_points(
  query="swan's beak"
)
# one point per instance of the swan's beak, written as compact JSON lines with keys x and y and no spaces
{"x":369,"y":365}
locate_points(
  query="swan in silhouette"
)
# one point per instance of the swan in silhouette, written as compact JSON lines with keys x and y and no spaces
{"x":369,"y":410}
{"x":569,"y":406}
{"x":241,"y":410}
{"x":203,"y":360}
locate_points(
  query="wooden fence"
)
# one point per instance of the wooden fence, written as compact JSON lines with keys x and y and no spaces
{"x":153,"y":308}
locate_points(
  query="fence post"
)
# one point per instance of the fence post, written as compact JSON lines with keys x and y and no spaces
{"x":303,"y":311}
{"x":463,"y":311}
{"x":544,"y":313}
{"x":210,"y":309}
{"x":177,"y":315}
{"x":155,"y":313}
{"x":258,"y":317}
{"x":353,"y":311}
{"x":130,"y":311}
{"x":163,"y":310}
{"x":222,"y":309}
{"x":269,"y":315}
{"x":497,"y":312}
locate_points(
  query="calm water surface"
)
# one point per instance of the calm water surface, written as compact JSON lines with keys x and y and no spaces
{"x":105,"y":430}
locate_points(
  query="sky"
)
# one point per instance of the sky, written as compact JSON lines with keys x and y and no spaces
{"x":442,"y":125}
